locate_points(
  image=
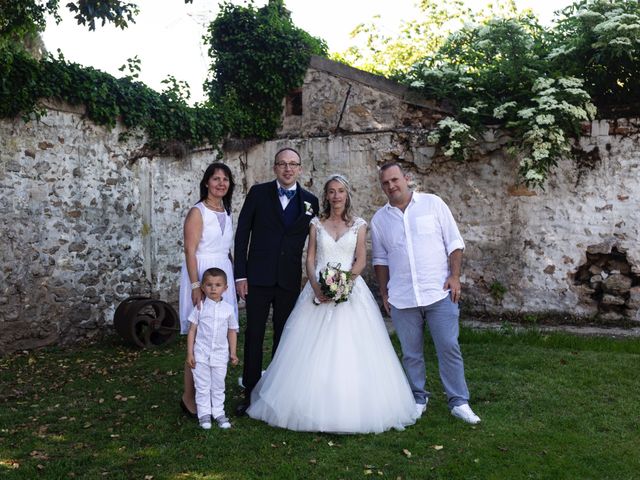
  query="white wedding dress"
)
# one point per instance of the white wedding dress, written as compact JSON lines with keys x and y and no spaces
{"x":335,"y":369}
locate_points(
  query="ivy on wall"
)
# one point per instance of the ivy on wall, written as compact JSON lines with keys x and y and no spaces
{"x":258,"y":56}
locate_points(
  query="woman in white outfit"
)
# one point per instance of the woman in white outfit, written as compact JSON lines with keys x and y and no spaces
{"x":208,"y":239}
{"x":335,"y":369}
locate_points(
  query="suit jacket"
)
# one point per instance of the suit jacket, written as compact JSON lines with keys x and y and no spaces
{"x":266,"y":252}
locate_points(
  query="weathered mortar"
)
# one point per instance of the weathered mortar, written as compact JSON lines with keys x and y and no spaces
{"x":85,"y":227}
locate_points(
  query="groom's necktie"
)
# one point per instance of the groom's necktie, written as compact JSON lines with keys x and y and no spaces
{"x":287,"y":193}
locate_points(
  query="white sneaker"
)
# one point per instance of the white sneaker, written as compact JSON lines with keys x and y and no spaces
{"x":421,"y":408}
{"x":465,"y":413}
{"x":223,"y":422}
{"x":206,"y":425}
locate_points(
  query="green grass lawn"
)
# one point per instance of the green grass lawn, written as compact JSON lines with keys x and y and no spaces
{"x":552,"y":407}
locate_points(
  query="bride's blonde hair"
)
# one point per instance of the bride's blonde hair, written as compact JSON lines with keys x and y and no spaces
{"x":326,"y":206}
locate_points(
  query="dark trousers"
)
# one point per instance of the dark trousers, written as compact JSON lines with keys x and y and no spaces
{"x":259,"y":302}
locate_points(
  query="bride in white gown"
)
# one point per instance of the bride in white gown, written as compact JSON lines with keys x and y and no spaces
{"x":335,"y":369}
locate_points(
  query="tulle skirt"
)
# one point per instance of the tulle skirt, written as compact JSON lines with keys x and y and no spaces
{"x":335,"y":370}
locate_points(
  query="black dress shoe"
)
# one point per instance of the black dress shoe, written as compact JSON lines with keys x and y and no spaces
{"x":186,"y":411}
{"x":241,"y":409}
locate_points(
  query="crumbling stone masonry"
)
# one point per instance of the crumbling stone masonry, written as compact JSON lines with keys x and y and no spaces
{"x":87,"y":221}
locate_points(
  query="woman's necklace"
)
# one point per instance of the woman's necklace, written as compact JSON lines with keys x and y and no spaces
{"x":215,"y":208}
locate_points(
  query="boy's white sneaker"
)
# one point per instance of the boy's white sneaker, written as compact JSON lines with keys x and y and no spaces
{"x":223,"y":422}
{"x":206,"y":425}
{"x":465,"y":413}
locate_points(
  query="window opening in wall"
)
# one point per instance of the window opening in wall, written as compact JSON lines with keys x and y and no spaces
{"x":294,"y":103}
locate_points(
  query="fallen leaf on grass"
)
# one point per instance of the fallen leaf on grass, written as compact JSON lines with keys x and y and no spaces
{"x":148,"y":477}
{"x":313,"y":461}
{"x":11,"y":464}
{"x":503,"y":449}
{"x":330,"y":443}
{"x":39,"y":455}
{"x":368,"y":472}
{"x":437,"y":447}
{"x":406,"y":452}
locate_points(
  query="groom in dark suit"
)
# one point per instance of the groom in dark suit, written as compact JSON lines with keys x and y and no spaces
{"x":272,"y":229}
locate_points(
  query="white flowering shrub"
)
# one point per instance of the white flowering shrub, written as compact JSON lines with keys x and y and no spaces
{"x":539,"y":83}
{"x":599,"y":41}
{"x":453,"y":136}
{"x":559,"y":106}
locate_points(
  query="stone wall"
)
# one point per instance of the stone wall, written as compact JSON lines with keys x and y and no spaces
{"x":84,"y":226}
{"x":87,"y":222}
{"x":524,"y":248}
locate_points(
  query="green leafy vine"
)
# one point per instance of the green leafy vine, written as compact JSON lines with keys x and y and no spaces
{"x":258,"y":56}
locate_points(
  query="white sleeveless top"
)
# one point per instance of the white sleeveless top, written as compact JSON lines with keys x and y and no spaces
{"x":214,"y":241}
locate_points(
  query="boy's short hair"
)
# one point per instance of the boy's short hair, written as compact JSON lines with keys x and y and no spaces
{"x":214,"y":272}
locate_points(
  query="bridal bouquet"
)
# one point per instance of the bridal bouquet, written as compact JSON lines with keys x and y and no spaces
{"x":335,"y":283}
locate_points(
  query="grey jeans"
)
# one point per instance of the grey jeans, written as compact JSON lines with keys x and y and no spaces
{"x":442,"y":319}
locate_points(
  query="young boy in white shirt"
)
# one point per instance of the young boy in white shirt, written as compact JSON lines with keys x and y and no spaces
{"x":211,"y":344}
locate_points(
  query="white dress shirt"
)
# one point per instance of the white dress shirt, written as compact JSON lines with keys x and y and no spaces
{"x":415,"y":245}
{"x":214,"y":319}
{"x":284,"y":200}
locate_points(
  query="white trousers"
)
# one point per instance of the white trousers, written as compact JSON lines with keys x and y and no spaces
{"x":209,"y":382}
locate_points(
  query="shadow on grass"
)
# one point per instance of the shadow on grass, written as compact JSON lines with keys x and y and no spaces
{"x":552,"y":406}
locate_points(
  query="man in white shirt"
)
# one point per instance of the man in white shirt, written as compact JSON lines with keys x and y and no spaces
{"x":417,"y":257}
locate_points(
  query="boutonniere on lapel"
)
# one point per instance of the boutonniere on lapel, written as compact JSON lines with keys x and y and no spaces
{"x":308,"y":209}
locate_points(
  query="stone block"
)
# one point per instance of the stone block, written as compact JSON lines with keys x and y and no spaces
{"x":612,"y":316}
{"x":620,"y":266}
{"x":604,"y":247}
{"x":633,"y":314}
{"x":595,"y":270}
{"x":77,"y":246}
{"x":608,"y":299}
{"x":617,"y":284}
{"x":600,"y":128}
{"x":595,"y":279}
{"x":634,"y":297}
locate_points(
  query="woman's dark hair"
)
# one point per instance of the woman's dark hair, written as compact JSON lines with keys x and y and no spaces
{"x":208,"y":173}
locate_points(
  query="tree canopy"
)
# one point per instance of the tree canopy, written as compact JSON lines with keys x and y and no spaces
{"x":501,"y":67}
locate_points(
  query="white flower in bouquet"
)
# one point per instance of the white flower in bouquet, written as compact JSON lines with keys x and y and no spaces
{"x":335,"y":283}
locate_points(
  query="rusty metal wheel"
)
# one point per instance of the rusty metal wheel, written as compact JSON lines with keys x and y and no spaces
{"x":146,"y":322}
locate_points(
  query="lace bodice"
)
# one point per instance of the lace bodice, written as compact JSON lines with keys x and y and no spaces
{"x":332,"y":251}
